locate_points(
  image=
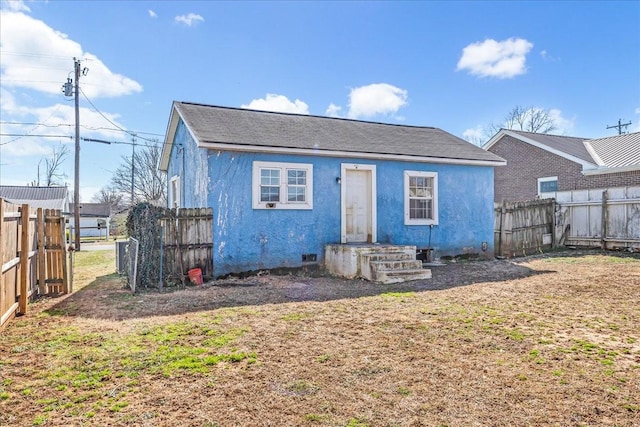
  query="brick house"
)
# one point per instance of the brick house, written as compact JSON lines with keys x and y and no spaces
{"x":538,"y":165}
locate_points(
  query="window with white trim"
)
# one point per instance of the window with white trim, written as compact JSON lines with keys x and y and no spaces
{"x":174,"y":192}
{"x":548,"y":184}
{"x":420,"y":198}
{"x":282,"y":185}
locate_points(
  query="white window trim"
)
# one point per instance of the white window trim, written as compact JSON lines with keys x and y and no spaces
{"x":175,"y":199}
{"x":546,"y":179}
{"x":407,"y":218}
{"x":283,"y":166}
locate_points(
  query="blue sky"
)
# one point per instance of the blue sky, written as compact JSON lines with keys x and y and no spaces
{"x":459,"y":66}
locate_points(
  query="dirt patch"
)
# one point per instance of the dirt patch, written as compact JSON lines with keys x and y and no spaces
{"x":548,"y":340}
{"x":105,"y":299}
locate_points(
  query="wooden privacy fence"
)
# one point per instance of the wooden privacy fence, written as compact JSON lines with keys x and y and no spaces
{"x":170,"y":243}
{"x":522,"y":228}
{"x":605,"y":218}
{"x":33,"y":256}
{"x":187,"y":242}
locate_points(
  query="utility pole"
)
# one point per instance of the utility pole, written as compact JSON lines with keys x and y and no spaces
{"x":72,"y":87}
{"x":619,"y":126}
{"x":76,"y":185}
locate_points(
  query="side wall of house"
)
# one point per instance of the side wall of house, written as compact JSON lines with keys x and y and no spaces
{"x":518,"y":180}
{"x":248,"y":239}
{"x":189,"y":164}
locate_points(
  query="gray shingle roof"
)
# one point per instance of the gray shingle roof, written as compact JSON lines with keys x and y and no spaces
{"x":323,"y":135}
{"x":571,"y":145}
{"x":36,"y":197}
{"x":617,"y":151}
{"x":93,"y":209}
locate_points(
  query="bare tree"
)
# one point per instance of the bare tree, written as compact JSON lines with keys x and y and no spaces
{"x":528,"y":119}
{"x":148,"y":182}
{"x":53,"y":174}
{"x":109,"y":195}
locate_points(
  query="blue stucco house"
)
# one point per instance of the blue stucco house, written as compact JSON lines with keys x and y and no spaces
{"x":284,"y":186}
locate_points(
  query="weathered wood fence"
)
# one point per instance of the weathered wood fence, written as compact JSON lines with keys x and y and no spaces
{"x":33,"y":256}
{"x":187,"y":241}
{"x":604,"y":218}
{"x":178,"y":240}
{"x":522,"y":228}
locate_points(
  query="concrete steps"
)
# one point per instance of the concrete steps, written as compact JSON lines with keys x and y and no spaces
{"x":377,"y":263}
{"x":393,"y":264}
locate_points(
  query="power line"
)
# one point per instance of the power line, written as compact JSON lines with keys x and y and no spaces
{"x":35,"y":127}
{"x":35,"y":55}
{"x":82,"y":126}
{"x":109,"y":120}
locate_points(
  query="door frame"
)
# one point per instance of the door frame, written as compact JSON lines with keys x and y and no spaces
{"x":344,"y":168}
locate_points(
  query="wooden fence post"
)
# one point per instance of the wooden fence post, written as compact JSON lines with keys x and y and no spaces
{"x":2,"y":282}
{"x":502,"y":234}
{"x":42,"y":273}
{"x":65,"y":277}
{"x":24,"y":259}
{"x":605,"y":195}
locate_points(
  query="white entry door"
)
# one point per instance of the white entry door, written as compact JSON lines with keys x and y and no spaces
{"x":358,"y":206}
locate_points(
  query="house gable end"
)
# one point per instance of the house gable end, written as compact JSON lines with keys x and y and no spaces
{"x":531,"y":141}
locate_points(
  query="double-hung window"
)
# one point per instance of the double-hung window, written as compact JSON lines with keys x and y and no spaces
{"x":282,"y":185}
{"x":420,"y":198}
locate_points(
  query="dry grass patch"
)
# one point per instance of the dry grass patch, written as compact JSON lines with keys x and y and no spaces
{"x":558,"y":346}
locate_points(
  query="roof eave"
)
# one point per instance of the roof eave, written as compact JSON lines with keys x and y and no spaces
{"x":505,"y":132}
{"x":349,"y":154}
{"x":495,"y":138}
{"x":172,"y":126}
{"x":603,"y":171}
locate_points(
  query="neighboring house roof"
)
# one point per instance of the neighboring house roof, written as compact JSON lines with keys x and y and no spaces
{"x":612,"y":154}
{"x":616,"y":153}
{"x":569,"y":147}
{"x":101,"y":210}
{"x":36,"y":197}
{"x":236,"y":129}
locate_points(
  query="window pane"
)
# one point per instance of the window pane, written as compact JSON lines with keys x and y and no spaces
{"x":269,"y":176}
{"x":548,"y":186}
{"x":296,"y":194}
{"x":269,"y":194}
{"x":420,"y":209}
{"x":296,"y":177}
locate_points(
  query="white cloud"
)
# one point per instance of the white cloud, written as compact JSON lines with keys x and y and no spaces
{"x":40,"y":58}
{"x":278,"y":103}
{"x":374,"y":99}
{"x":189,"y":20}
{"x":15,"y":5}
{"x":636,"y":128}
{"x":490,"y":58}
{"x":333,"y":110}
{"x":152,"y":14}
{"x":57,"y":120}
{"x":564,"y":125}
{"x":476,"y":135}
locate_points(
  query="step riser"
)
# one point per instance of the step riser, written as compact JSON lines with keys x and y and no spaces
{"x":389,"y":257}
{"x":395,"y":265}
{"x":399,"y":276}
